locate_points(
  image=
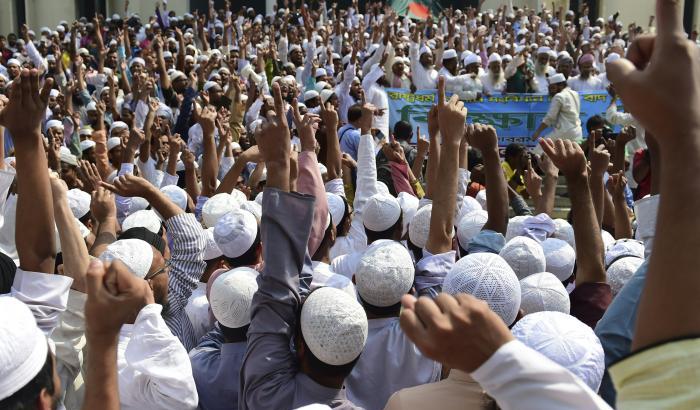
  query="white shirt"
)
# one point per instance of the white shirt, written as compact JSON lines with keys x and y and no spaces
{"x":542,"y":84}
{"x":423,"y":78}
{"x":592,"y":84}
{"x":154,"y":370}
{"x":324,"y":276}
{"x":389,"y":362}
{"x":197,"y":310}
{"x":491,"y":88}
{"x":564,"y":112}
{"x":376,"y":95}
{"x":342,"y":91}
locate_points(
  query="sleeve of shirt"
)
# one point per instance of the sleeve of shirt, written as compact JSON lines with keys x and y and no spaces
{"x":169,"y":180}
{"x":551,"y":117}
{"x":310,"y":182}
{"x":520,"y":378}
{"x":162,"y":370}
{"x":348,"y":76}
{"x":69,"y":337}
{"x":186,"y":263}
{"x":201,"y":200}
{"x":431,"y":271}
{"x":366,"y":186}
{"x":123,"y":202}
{"x":7,"y":176}
{"x":618,"y":118}
{"x":589,"y":302}
{"x":35,"y":56}
{"x":308,"y":61}
{"x":374,"y":74}
{"x":283,"y":49}
{"x":269,"y":365}
{"x":462,"y":182}
{"x":46,"y":296}
{"x":140,"y":114}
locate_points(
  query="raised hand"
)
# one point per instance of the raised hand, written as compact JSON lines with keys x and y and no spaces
{"x":329,"y":116}
{"x":600,"y":160}
{"x":136,"y":138}
{"x":565,"y":155}
{"x":26,"y":108}
{"x":89,"y":175}
{"x":130,"y":186}
{"x":306,"y":127}
{"x":207,"y":120}
{"x":274,"y":142}
{"x":451,"y":115}
{"x":627,"y":135}
{"x":58,"y":188}
{"x":548,"y":166}
{"x":533,"y":182}
{"x":616,"y":186}
{"x":482,"y":137}
{"x":102,"y":205}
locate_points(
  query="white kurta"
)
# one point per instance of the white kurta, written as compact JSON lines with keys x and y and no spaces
{"x":197,"y":310}
{"x":564,"y":116}
{"x":491,"y":87}
{"x":423,"y":78}
{"x":324,"y":276}
{"x":589,"y":85}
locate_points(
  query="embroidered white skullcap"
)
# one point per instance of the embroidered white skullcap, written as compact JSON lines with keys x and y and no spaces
{"x":469,"y":204}
{"x":137,"y":204}
{"x":560,"y":257}
{"x":488,"y":277}
{"x":118,"y":125}
{"x":91,"y":106}
{"x":24,"y":347}
{"x":137,"y":60}
{"x":231,"y":296}
{"x":470,"y":225}
{"x":79,"y":202}
{"x":621,"y":271}
{"x":334,"y":326}
{"x":623,"y":248}
{"x":524,"y":255}
{"x":136,"y":254}
{"x":449,"y":54}
{"x":239,"y":196}
{"x":336,"y":206}
{"x":495,"y":58}
{"x":14,"y":61}
{"x":311,"y":94}
{"x":113,"y":142}
{"x":176,"y":194}
{"x":54,"y":124}
{"x":471,"y":59}
{"x":235,"y":232}
{"x":612,"y":57}
{"x":142,"y":219}
{"x":424,"y":50}
{"x":209,"y":84}
{"x":516,"y":227}
{"x":211,"y":249}
{"x":385,"y":273}
{"x":481,"y":198}
{"x":419,"y":230}
{"x":566,"y":341}
{"x":86,"y":145}
{"x":326,"y":95}
{"x":565,"y":232}
{"x":381,"y":212}
{"x":556,"y":79}
{"x":67,"y":157}
{"x":544,"y":292}
{"x":543,"y":50}
{"x":608,"y":239}
{"x":409,"y":207}
{"x":259,"y":198}
{"x":254,"y":208}
{"x":218,"y":206}
{"x":294,"y":47}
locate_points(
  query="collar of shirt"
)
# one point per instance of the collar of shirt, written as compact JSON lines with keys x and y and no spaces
{"x":309,"y":389}
{"x":380,"y":323}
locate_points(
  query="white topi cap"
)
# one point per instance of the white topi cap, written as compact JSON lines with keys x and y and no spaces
{"x":336,"y":206}
{"x":231,"y":296}
{"x":419,"y":230}
{"x":79,"y":202}
{"x":176,"y":194}
{"x":560,"y":257}
{"x":218,"y":206}
{"x":623,"y":248}
{"x":556,"y":79}
{"x":469,"y":204}
{"x":524,"y":255}
{"x":381,"y":212}
{"x":409,"y":206}
{"x":146,"y":218}
{"x":516,"y":227}
{"x":621,"y":271}
{"x":235,"y":232}
{"x":565,"y":232}
{"x":385,"y":273}
{"x":470,"y":225}
{"x":544,"y":292}
{"x":211,"y":249}
{"x":136,"y":254}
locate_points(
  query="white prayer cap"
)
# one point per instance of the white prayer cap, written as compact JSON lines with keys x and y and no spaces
{"x":385,"y":273}
{"x":424,"y":50}
{"x":311,"y":94}
{"x":556,"y":79}
{"x":623,"y":248}
{"x":507,"y":57}
{"x":14,"y":61}
{"x":54,"y":124}
{"x":560,"y":257}
{"x":137,"y":60}
{"x":320,"y":86}
{"x":211,"y":249}
{"x":136,"y":254}
{"x":470,"y":225}
{"x":145,"y":218}
{"x":86,"y":145}
{"x":79,"y":202}
{"x":409,"y":207}
{"x":336,"y":56}
{"x":381,"y":212}
{"x":259,"y":198}
{"x":565,"y":232}
{"x":218,"y":206}
{"x":91,"y":106}
{"x":231,"y":296}
{"x":294,"y":47}
{"x":326,"y":95}
{"x":176,"y":194}
{"x":621,"y":271}
{"x":336,"y":206}
{"x":137,"y":203}
{"x":469,"y":204}
{"x":382,"y":188}
{"x":235,"y":232}
{"x":516,"y":227}
{"x":254,"y":208}
{"x":209,"y":84}
{"x":471,"y":59}
{"x":321,"y":72}
{"x":118,"y":125}
{"x":566,"y":341}
{"x":524,"y":255}
{"x":113,"y":142}
{"x":67,"y":157}
{"x":543,"y":50}
{"x":612,"y":57}
{"x":449,"y":54}
{"x":544,"y":292}
{"x":54,"y":92}
{"x":167,"y":54}
{"x":24,"y":347}
{"x":419,"y":229}
{"x":334,"y":326}
{"x":488,"y":277}
{"x":608,"y":239}
{"x":481,"y":198}
{"x":495,"y":58}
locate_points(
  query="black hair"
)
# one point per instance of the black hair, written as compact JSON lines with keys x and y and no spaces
{"x":373,"y":236}
{"x":595,"y":122}
{"x":326,"y":240}
{"x":86,"y":218}
{"x":514,"y":149}
{"x":7,"y":273}
{"x":381,"y":311}
{"x":146,"y":236}
{"x":346,"y":214}
{"x":250,"y":257}
{"x":403,"y":131}
{"x":354,"y":113}
{"x":234,"y":334}
{"x":25,"y":398}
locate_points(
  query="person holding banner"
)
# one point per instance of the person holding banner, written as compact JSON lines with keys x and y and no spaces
{"x":564,"y":113}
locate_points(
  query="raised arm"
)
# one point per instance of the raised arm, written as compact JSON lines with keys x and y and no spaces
{"x":431,"y":174}
{"x":484,"y":138}
{"x":210,"y":167}
{"x":334,"y":162}
{"x":599,"y":161}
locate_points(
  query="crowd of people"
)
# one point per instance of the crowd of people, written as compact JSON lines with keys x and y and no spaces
{"x":215,"y":211}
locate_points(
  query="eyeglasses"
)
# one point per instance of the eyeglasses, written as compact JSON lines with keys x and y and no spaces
{"x":159,"y":271}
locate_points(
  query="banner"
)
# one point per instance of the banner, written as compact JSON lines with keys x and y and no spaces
{"x":515,"y":116}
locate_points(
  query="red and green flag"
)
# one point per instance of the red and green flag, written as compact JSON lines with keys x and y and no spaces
{"x":416,"y":9}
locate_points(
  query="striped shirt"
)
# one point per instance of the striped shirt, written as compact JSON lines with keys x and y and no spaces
{"x":187,"y":266}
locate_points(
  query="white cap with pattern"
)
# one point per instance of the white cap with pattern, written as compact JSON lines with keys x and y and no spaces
{"x":623,"y":248}
{"x":136,"y":254}
{"x":79,"y":202}
{"x":481,"y":198}
{"x":336,"y":206}
{"x":566,"y":341}
{"x":469,"y":204}
{"x":385,"y":273}
{"x":621,"y":271}
{"x":211,"y":249}
{"x":544,"y":292}
{"x":524,"y":255}
{"x":516,"y":227}
{"x":176,"y":194}
{"x":419,"y":230}
{"x":488,"y":277}
{"x":381,"y":212}
{"x":560,"y":257}
{"x":470,"y":225}
{"x":334,"y":326}
{"x":218,"y":206}
{"x":235,"y":232}
{"x":144,"y":219}
{"x":565,"y":232}
{"x":409,"y":207}
{"x":231,"y":296}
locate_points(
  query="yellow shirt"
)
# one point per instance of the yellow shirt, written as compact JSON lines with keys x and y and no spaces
{"x":509,"y":172}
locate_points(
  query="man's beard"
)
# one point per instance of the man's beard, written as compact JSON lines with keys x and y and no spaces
{"x":540,"y":69}
{"x":496,"y":78}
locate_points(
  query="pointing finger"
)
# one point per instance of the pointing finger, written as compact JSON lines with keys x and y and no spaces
{"x":441,"y":90}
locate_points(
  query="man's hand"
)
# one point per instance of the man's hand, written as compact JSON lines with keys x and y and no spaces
{"x":89,"y":175}
{"x":616,"y":186}
{"x":627,"y":135}
{"x":565,"y":155}
{"x":115,"y":296}
{"x":136,"y":138}
{"x":451,"y":115}
{"x":600,"y":160}
{"x":58,"y":189}
{"x":548,"y":167}
{"x":207,"y":119}
{"x":273,"y":140}
{"x":367,"y":116}
{"x":102,"y":205}
{"x":130,"y":186}
{"x":460,"y":332}
{"x":482,"y":137}
{"x":329,"y":116}
{"x":533,"y":182}
{"x":306,"y":127}
{"x":24,"y":113}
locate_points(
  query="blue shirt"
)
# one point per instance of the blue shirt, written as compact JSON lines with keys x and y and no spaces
{"x":349,"y":140}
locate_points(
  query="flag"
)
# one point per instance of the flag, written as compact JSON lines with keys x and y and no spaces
{"x":416,"y":9}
